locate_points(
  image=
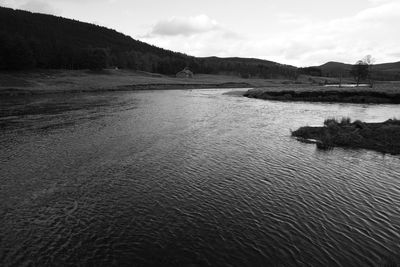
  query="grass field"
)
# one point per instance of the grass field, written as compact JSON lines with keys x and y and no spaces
{"x":65,"y":81}
{"x":55,"y":81}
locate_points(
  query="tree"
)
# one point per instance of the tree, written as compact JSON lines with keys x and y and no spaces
{"x":3,"y":44}
{"x":94,"y":58}
{"x":369,"y":60}
{"x":17,"y":54}
{"x":363,"y":70}
{"x":359,"y":71}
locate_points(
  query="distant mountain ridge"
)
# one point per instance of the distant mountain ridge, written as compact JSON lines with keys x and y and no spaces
{"x":243,"y":60}
{"x":383,"y":71}
{"x":394,"y":66}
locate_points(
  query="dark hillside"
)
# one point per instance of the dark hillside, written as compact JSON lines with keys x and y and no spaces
{"x":31,"y":40}
{"x":44,"y":41}
{"x":334,"y":68}
{"x":247,"y":67}
{"x":395,"y":66}
{"x":388,"y":71}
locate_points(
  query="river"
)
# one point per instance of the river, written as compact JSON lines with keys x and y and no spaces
{"x":189,"y":178}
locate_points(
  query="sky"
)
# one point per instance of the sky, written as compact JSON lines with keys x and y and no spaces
{"x":295,"y":32}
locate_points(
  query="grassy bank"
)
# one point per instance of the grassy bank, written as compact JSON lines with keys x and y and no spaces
{"x":65,"y":81}
{"x":383,"y":137}
{"x":72,"y":81}
{"x":306,"y":88}
{"x":385,"y":92}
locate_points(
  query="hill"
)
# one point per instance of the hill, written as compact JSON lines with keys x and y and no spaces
{"x":333,"y":66}
{"x":45,"y":41}
{"x":32,"y":40}
{"x":241,"y":60}
{"x":395,"y":67}
{"x":384,"y":71}
{"x":248,"y":67}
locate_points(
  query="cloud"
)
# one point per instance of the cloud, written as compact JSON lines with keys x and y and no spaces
{"x":8,"y":3}
{"x":184,"y":26}
{"x":198,"y":35}
{"x":38,"y":6}
{"x":302,"y":42}
{"x":371,"y":31}
{"x":292,"y":19}
{"x":378,"y":1}
{"x":395,"y":54}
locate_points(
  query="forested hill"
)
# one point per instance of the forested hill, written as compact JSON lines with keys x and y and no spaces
{"x":31,"y":40}
{"x":44,"y":41}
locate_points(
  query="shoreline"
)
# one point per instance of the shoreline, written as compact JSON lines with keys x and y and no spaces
{"x":15,"y":92}
{"x":41,"y":82}
{"x":50,"y":82}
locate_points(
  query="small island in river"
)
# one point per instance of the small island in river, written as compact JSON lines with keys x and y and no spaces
{"x":383,"y":137}
{"x":381,"y":93}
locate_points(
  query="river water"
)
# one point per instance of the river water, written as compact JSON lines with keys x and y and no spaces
{"x":189,"y":178}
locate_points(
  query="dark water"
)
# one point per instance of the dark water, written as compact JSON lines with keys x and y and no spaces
{"x":189,"y":178}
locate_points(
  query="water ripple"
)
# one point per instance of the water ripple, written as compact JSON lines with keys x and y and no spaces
{"x":195,"y":178}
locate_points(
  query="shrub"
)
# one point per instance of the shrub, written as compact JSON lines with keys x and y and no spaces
{"x":334,"y":122}
{"x":345,"y":121}
{"x":330,"y":121}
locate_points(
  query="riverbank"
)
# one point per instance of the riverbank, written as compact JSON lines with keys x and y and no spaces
{"x":384,"y":92}
{"x":305,"y":88}
{"x":76,"y":81}
{"x":383,"y":137}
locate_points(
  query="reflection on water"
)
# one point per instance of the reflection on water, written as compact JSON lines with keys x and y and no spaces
{"x":347,"y":85}
{"x":190,"y":178}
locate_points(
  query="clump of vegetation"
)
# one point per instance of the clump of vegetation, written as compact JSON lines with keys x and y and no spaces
{"x":333,"y":121}
{"x":383,"y":137}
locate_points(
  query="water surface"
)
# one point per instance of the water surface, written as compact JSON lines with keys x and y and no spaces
{"x":189,"y":178}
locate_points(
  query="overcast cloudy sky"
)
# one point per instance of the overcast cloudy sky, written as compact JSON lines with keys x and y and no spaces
{"x":302,"y":33}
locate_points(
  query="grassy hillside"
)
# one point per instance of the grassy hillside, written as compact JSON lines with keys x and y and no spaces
{"x":335,"y":67}
{"x":393,"y":67}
